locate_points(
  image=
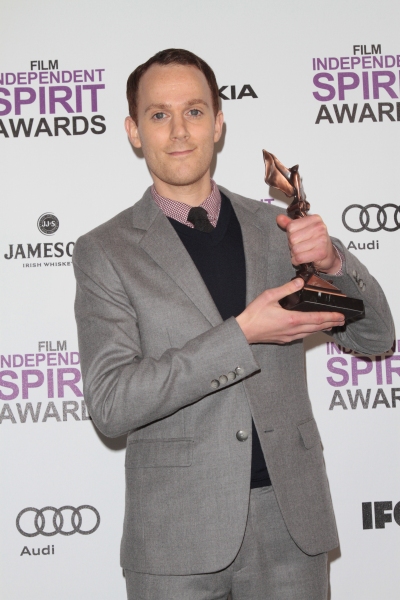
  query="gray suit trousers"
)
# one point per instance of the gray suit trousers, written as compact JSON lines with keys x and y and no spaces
{"x":268,"y":566}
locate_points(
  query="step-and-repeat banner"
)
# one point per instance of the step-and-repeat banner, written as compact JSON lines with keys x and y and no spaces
{"x":316,"y":83}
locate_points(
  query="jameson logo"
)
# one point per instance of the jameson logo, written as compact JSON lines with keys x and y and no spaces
{"x":48,"y":224}
{"x":51,"y":102}
{"x":359,"y":88}
{"x":27,"y":252}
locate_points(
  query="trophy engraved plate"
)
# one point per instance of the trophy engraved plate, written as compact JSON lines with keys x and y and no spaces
{"x":317,"y":293}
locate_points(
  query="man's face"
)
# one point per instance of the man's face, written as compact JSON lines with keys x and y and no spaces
{"x":176,"y":126}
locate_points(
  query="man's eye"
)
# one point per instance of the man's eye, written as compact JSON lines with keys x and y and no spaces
{"x":158,"y":116}
{"x":194,"y":112}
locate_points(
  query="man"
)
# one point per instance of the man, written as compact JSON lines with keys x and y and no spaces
{"x":185,"y":347}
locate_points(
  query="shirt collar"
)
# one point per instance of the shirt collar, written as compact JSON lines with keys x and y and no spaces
{"x":179,"y":211}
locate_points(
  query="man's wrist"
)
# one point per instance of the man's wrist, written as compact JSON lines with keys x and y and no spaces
{"x":243,"y":323}
{"x":337,"y":268}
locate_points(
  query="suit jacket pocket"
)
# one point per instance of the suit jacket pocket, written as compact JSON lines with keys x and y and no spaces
{"x":142,"y":454}
{"x":309,"y":433}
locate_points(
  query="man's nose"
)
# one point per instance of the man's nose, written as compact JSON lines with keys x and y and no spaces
{"x":179,"y":128}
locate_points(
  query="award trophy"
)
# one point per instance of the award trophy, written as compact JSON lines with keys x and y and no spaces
{"x":317,"y":293}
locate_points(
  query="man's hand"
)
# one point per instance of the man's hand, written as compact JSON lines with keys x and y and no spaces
{"x":265,"y":321}
{"x":309,"y":242}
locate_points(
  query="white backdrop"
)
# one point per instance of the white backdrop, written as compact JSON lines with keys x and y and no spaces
{"x":70,"y":158}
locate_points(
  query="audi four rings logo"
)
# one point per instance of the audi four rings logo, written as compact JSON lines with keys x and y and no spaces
{"x":78,"y":516}
{"x":371,"y":217}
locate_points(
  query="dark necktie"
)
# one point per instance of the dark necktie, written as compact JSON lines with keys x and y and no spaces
{"x":198,"y":216}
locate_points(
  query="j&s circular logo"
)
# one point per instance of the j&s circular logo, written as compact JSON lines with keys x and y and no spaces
{"x":48,"y":224}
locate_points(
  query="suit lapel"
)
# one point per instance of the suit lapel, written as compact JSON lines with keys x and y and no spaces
{"x":162,"y":243}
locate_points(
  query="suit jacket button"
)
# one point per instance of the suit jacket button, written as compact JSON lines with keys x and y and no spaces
{"x":215,"y":384}
{"x":231,"y":376}
{"x":223,"y":379}
{"x":242,"y":435}
{"x":239,"y":371}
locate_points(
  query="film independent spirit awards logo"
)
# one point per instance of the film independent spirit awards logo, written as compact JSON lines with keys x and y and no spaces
{"x":66,"y":520}
{"x":48,"y":223}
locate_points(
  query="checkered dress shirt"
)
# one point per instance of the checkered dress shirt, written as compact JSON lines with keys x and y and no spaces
{"x":179,"y":211}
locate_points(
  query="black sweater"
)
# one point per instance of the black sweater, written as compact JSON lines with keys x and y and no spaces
{"x":219,"y":258}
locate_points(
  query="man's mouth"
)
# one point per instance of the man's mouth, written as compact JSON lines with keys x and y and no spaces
{"x":179,"y":153}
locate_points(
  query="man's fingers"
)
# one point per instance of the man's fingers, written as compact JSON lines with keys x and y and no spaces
{"x":327,"y":319}
{"x":278,"y":293}
{"x":317,"y":321}
{"x":283,"y":221}
{"x":311,"y":222}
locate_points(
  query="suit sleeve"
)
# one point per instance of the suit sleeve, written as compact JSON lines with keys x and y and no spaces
{"x":123,"y":388}
{"x":374,"y":334}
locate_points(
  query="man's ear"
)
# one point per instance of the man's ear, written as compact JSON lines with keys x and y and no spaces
{"x":219,"y":121}
{"x":133,"y":132}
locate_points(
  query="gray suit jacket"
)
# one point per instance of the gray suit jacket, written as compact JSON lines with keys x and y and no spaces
{"x":152,"y":341}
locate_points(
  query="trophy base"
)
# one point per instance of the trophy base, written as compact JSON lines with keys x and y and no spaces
{"x":309,"y":300}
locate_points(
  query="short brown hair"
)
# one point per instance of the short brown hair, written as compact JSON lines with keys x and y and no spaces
{"x":167,"y":57}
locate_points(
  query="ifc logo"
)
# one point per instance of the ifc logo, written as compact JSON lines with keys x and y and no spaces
{"x":48,"y":224}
